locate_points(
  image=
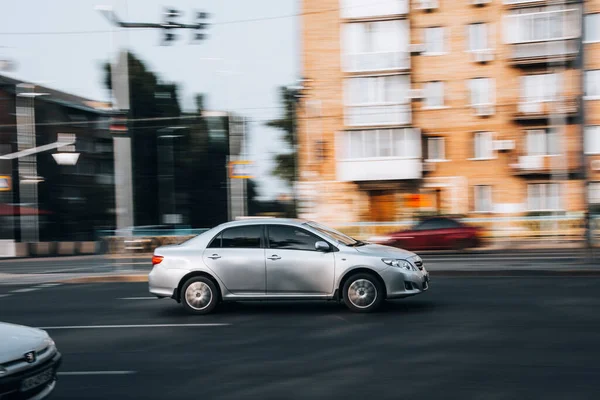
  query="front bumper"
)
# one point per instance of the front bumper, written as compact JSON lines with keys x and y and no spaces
{"x":10,"y":386}
{"x":401,"y":283}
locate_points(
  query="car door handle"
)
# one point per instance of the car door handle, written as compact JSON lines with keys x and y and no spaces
{"x":274,"y":257}
{"x":215,"y":256}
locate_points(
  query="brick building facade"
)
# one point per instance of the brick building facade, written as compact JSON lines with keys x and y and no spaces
{"x":477,"y":108}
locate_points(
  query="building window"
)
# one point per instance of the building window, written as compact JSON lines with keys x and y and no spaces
{"x":478,"y":37}
{"x":540,"y":87}
{"x":543,"y":196}
{"x":592,"y":84}
{"x":372,"y":46}
{"x":370,"y":8}
{"x":592,"y":28}
{"x":483,"y":147}
{"x":378,"y":100}
{"x":434,"y":40}
{"x":436,"y":148}
{"x":482,"y":198}
{"x":592,"y":140}
{"x":542,"y":142}
{"x":594,"y":192}
{"x":434,"y":94}
{"x":542,"y":24}
{"x":481,"y":90}
{"x":381,"y":143}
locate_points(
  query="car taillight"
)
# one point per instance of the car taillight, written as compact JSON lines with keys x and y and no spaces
{"x":157,"y":260}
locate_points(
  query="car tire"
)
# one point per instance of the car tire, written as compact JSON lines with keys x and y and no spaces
{"x":363,"y":293}
{"x":199,"y":295}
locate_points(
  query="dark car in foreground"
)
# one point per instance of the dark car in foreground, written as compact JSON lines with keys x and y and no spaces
{"x":28,"y":363}
{"x":437,"y":233}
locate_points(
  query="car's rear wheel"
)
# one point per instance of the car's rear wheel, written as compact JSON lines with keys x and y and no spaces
{"x":363,"y":293}
{"x":199,"y":295}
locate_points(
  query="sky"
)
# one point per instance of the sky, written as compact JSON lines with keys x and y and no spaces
{"x":252,"y":48}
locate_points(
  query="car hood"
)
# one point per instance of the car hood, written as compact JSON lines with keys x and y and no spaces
{"x":385,"y":251}
{"x":16,"y":340}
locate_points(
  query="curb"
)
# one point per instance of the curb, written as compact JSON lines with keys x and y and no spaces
{"x":108,"y":279}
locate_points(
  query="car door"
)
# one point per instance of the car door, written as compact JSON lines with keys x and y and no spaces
{"x":426,"y":235}
{"x":294,"y":266}
{"x":237,"y":256}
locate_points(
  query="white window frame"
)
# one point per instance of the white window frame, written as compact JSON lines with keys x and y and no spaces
{"x":434,"y":95}
{"x":441,"y":142}
{"x":594,"y":192}
{"x":404,"y":143}
{"x":475,"y":27}
{"x":492,"y":153}
{"x":483,"y":199}
{"x":515,"y":24}
{"x":538,"y":142}
{"x":539,"y":88}
{"x":588,"y":74}
{"x":544,"y":189}
{"x":592,"y":145}
{"x":426,"y":38}
{"x":587,"y":24}
{"x":473,"y":84}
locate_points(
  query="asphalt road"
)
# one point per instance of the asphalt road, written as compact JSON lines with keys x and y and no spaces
{"x":467,"y":338}
{"x":435,"y":261}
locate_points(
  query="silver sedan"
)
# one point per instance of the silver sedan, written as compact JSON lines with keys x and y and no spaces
{"x":283,"y":259}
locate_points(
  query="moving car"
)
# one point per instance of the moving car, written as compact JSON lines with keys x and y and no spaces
{"x":438,"y":233}
{"x":283,"y":259}
{"x":28,"y":363}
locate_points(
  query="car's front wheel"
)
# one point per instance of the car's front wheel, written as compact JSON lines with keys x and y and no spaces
{"x":199,"y":295}
{"x":363,"y":293}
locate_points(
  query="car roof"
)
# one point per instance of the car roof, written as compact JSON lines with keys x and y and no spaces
{"x":262,"y":221}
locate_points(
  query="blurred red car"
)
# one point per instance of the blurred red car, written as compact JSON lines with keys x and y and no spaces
{"x":438,"y":233}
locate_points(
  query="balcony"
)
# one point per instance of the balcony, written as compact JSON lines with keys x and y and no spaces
{"x":533,"y":110}
{"x":384,"y":61}
{"x":545,"y":164}
{"x":530,"y":3}
{"x":369,"y":9}
{"x":379,"y":169}
{"x":377,"y":115}
{"x":543,"y":52}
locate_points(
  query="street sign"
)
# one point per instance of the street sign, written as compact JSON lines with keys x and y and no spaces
{"x":5,"y":183}
{"x":240,"y":170}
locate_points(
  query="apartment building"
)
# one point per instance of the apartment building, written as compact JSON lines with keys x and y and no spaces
{"x":465,"y":107}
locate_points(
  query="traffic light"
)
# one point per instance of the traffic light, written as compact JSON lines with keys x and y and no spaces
{"x":170,"y":22}
{"x":201,"y":25}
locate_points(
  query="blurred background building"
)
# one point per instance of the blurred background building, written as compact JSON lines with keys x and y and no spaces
{"x":477,"y":108}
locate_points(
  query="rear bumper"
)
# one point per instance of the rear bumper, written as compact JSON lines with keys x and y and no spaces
{"x":163,"y":282}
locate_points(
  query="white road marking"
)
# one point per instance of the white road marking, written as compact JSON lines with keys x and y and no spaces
{"x":4,"y":295}
{"x":133,"y":326}
{"x":48,"y":285}
{"x":79,"y":373}
{"x":138,"y":298}
{"x":25,"y":290}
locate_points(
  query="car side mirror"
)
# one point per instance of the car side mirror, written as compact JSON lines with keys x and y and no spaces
{"x":322,"y":246}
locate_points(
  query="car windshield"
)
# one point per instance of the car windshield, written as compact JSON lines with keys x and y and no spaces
{"x":335,"y":235}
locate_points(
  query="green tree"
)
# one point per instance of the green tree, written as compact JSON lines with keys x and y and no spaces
{"x":285,"y":163}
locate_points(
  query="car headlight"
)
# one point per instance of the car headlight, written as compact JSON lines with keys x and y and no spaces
{"x":399,"y":263}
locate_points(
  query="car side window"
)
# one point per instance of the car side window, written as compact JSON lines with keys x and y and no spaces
{"x":216,"y":242}
{"x":291,"y":238}
{"x":449,"y":223}
{"x":242,"y":237}
{"x":429,"y":225}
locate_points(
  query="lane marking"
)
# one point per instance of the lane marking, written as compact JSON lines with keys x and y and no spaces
{"x":138,"y":298}
{"x":26,"y":290}
{"x":133,"y":326}
{"x":4,"y":295}
{"x":81,"y":373}
{"x":48,"y":285}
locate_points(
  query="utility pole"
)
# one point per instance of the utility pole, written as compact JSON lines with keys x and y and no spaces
{"x":121,"y":99}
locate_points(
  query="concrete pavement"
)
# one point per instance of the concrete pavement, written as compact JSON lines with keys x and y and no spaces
{"x":467,"y":338}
